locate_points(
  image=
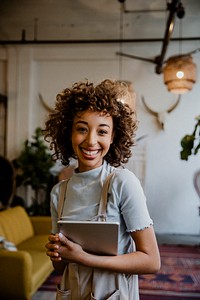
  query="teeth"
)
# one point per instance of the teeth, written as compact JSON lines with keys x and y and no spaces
{"x":90,"y":152}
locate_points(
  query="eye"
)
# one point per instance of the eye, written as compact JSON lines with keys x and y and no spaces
{"x":81,"y":129}
{"x":102,"y":132}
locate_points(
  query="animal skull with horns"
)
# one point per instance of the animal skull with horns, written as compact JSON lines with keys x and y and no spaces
{"x":45,"y":104}
{"x":162,"y":115}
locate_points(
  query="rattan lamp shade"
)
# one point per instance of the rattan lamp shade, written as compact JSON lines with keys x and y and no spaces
{"x":131,"y":97}
{"x":179,"y":74}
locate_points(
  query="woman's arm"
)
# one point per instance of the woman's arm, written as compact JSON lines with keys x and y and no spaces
{"x":145,"y":260}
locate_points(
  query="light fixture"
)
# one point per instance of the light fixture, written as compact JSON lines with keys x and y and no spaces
{"x":179,"y":74}
{"x":131,"y":97}
{"x":180,"y":71}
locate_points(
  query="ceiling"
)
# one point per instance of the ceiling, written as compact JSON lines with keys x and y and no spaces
{"x":92,"y":20}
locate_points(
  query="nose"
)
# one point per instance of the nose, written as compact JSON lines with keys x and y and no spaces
{"x":91,"y":139}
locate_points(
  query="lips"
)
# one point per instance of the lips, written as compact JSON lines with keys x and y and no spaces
{"x":90,"y":152}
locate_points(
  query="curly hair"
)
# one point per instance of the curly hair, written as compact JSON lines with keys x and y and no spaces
{"x":107,"y":97}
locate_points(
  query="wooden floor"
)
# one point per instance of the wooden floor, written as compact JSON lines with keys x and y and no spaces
{"x":44,"y":296}
{"x":178,"y":239}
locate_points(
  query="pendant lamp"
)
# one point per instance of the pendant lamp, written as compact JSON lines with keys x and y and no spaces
{"x":179,"y":74}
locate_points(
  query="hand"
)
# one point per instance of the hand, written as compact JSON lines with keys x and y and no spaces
{"x":68,"y":250}
{"x":52,"y":247}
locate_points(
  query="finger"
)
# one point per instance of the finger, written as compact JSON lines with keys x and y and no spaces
{"x":53,"y":238}
{"x":56,"y":259}
{"x":51,"y":246}
{"x":53,"y":255}
{"x":63,"y":239}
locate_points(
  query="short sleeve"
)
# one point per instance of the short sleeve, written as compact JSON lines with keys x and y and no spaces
{"x":54,"y":207}
{"x":131,"y":200}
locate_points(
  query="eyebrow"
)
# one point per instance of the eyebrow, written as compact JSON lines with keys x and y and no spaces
{"x":86,"y":123}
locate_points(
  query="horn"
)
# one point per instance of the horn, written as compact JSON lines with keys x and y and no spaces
{"x":148,"y":108}
{"x":175,"y":104}
{"x":46,"y":106}
{"x":141,"y":137}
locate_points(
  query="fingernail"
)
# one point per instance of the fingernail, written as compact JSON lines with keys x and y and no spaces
{"x":61,"y":235}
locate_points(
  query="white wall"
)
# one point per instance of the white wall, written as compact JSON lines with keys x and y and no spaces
{"x":46,"y":69}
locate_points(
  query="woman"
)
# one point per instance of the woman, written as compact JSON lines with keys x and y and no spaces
{"x":93,"y":125}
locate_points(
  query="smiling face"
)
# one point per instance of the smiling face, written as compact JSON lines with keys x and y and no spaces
{"x":92,"y":134}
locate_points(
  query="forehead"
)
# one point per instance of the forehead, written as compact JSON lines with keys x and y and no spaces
{"x":93,"y":116}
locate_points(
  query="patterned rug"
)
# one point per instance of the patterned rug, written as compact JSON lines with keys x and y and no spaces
{"x":178,"y":278}
{"x":179,"y":275}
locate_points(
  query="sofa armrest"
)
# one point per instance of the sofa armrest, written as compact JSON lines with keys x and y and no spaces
{"x":15,"y":274}
{"x":41,"y":224}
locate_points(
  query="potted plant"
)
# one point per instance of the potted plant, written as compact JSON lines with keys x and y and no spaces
{"x":190,"y":143}
{"x":33,"y":168}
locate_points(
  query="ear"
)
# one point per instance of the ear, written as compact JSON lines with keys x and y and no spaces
{"x":112,"y":137}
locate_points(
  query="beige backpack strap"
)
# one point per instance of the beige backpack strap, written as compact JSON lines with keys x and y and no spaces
{"x":104,"y":198}
{"x":61,"y":199}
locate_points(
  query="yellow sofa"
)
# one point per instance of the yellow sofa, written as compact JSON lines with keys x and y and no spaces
{"x":23,"y":271}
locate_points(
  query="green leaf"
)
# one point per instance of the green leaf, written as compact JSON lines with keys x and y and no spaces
{"x":188,"y":142}
{"x":197,"y":149}
{"x":34,"y":162}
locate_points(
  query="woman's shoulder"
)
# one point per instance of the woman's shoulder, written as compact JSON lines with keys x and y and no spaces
{"x":125,"y":181}
{"x":56,"y":188}
{"x":124,"y":174}
{"x":120,"y":174}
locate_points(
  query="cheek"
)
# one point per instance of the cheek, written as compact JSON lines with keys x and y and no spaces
{"x":74,"y":142}
{"x":77,"y":140}
{"x":107,"y":143}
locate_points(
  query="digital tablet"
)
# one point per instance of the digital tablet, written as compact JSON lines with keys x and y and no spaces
{"x":94,"y":237}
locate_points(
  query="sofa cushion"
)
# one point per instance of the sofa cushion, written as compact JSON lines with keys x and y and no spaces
{"x":35,"y":243}
{"x":16,"y":225}
{"x":42,"y":265}
{"x":1,"y":231}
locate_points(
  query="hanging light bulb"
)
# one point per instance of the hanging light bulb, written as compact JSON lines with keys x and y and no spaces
{"x":180,"y":71}
{"x":179,"y":74}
